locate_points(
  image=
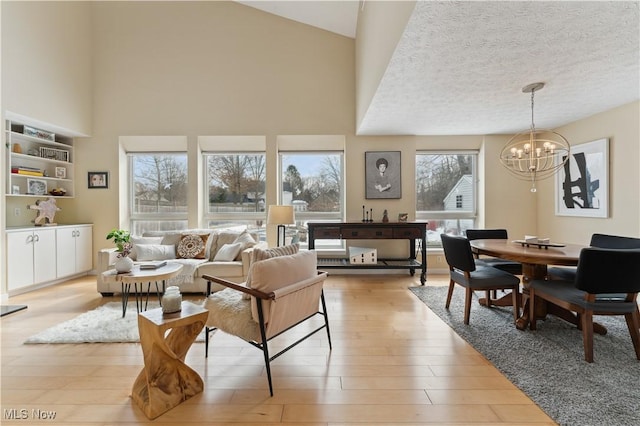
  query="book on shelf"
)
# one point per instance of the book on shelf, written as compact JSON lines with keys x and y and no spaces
{"x":27,"y":171}
{"x":153,"y":264}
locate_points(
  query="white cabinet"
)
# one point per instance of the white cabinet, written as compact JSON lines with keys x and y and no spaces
{"x":31,"y":257}
{"x":39,"y":161}
{"x":74,"y":250}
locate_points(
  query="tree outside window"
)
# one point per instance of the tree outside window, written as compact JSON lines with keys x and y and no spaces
{"x":446,"y":193}
{"x":313,"y":184}
{"x":158,"y":191}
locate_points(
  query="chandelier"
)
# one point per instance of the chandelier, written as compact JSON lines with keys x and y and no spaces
{"x":536,"y":154}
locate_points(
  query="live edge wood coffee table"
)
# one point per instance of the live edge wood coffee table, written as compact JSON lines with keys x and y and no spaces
{"x":141,"y":276}
{"x":166,"y":381}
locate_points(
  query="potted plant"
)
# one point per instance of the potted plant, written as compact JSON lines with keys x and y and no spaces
{"x":121,"y":238}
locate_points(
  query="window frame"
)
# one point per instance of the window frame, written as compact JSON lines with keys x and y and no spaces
{"x":152,"y":217}
{"x":302,"y":217}
{"x":457,"y":214}
{"x":208,"y":216}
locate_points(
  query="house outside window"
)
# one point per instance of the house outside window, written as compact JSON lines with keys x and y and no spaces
{"x":158,"y":191}
{"x":313,"y":183}
{"x":446,"y":193}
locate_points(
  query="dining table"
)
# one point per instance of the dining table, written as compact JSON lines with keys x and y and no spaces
{"x":534,"y":257}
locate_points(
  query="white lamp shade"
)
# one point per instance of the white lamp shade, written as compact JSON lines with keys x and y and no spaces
{"x":280,"y":215}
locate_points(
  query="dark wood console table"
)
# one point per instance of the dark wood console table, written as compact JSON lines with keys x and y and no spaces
{"x":411,"y":231}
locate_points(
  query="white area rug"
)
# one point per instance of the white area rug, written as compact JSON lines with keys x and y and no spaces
{"x":101,"y":325}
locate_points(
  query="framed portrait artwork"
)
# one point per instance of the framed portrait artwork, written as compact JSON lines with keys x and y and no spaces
{"x":582,"y":185}
{"x":61,"y":172}
{"x":98,"y":180}
{"x":382,"y":175}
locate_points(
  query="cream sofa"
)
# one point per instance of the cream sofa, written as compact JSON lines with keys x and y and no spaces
{"x":165,"y":245}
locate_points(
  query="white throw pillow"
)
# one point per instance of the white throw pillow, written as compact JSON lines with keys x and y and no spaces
{"x":246,"y":239}
{"x":136,"y":240}
{"x":228,"y":252}
{"x":155,"y":252}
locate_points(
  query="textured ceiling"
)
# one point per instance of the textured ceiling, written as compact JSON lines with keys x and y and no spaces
{"x":460,"y":67}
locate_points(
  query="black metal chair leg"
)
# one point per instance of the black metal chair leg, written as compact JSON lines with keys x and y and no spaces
{"x":326,"y":318}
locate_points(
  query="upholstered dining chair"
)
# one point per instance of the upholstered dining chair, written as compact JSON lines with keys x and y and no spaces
{"x":284,"y":292}
{"x":597,"y":290}
{"x":464,"y":271}
{"x":510,"y":266}
{"x":597,"y":240}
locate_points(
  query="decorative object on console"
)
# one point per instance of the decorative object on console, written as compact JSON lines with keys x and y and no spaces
{"x":403,"y":217}
{"x":46,"y":212}
{"x":281,"y":216}
{"x":537,"y":153}
{"x":385,"y":216}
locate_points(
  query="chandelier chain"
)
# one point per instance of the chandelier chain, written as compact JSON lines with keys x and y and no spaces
{"x":533,"y":126}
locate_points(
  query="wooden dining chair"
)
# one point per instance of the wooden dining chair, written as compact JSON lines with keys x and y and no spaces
{"x":597,"y":240}
{"x":464,"y":271}
{"x":509,"y":266}
{"x":607,"y":283}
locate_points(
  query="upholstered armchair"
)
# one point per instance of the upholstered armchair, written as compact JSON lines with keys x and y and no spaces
{"x":283,"y":291}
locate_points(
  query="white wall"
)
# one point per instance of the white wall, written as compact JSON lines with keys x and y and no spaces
{"x":46,"y":75}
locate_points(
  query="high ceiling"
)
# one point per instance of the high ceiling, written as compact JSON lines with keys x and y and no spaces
{"x":460,"y":67}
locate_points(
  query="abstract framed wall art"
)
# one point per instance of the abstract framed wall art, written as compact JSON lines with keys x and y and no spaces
{"x":582,"y":185}
{"x":382,"y":174}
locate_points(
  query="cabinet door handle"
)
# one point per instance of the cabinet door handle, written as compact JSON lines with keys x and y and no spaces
{"x":30,"y":239}
{"x":36,"y":238}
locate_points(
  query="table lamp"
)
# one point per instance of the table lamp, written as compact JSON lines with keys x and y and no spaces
{"x":281,"y":216}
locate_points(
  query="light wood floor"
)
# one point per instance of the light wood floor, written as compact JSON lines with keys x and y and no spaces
{"x":393,"y":362}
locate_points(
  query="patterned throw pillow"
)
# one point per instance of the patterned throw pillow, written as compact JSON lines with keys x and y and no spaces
{"x":192,"y":246}
{"x":259,"y":254}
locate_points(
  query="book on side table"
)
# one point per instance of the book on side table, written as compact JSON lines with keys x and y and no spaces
{"x":153,"y":265}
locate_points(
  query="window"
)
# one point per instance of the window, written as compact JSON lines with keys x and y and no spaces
{"x":446,"y":192}
{"x":236,"y":191}
{"x":313,"y":183}
{"x":158,"y":191}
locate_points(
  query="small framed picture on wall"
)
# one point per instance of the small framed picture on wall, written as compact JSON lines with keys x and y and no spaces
{"x":98,"y":180}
